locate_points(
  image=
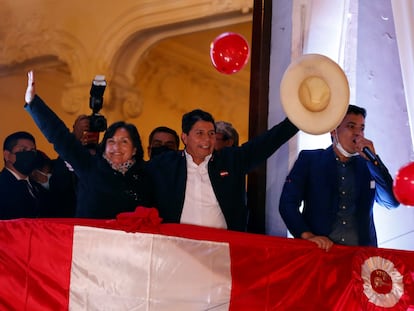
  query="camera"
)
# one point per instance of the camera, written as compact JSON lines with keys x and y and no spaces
{"x":97,"y":122}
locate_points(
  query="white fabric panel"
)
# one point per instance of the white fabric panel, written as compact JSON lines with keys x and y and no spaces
{"x":115,"y":270}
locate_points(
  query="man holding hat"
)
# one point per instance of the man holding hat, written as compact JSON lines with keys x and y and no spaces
{"x":338,"y":187}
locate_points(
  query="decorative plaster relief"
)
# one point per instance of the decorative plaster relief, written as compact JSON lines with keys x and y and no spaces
{"x":174,"y":86}
{"x":132,"y":104}
{"x":74,"y":98}
{"x":38,"y":35}
{"x":23,"y":43}
{"x":227,"y":5}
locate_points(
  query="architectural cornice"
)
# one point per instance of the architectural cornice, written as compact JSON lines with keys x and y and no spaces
{"x":111,"y":44}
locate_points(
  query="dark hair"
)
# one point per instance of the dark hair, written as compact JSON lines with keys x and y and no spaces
{"x":164,"y":129}
{"x":11,"y":141}
{"x":133,"y":132}
{"x":43,"y":160}
{"x":356,"y":110}
{"x":190,"y":118}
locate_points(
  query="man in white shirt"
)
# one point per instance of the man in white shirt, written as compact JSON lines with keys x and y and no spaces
{"x":200,"y":186}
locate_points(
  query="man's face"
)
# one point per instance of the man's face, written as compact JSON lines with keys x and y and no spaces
{"x":200,"y":140}
{"x":22,"y":145}
{"x":222,"y":142}
{"x":162,"y":139}
{"x":351,"y":127}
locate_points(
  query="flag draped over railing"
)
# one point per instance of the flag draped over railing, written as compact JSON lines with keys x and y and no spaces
{"x":137,"y":263}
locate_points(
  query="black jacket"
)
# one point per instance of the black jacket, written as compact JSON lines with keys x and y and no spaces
{"x":227,"y":170}
{"x":16,"y":200}
{"x":102,"y":191}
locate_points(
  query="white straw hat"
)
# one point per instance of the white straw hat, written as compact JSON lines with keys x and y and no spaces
{"x":314,"y":93}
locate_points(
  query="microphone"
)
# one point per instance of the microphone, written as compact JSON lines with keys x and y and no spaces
{"x":372,"y":157}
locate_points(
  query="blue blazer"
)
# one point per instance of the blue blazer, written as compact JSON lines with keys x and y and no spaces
{"x":313,"y":180}
{"x":227,"y":170}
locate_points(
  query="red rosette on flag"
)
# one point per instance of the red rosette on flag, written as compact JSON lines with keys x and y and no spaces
{"x":143,"y":219}
{"x":381,"y":281}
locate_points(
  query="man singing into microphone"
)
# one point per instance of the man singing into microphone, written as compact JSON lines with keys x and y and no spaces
{"x":338,"y":187}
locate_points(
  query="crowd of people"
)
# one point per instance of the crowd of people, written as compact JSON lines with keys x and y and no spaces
{"x":201,"y":184}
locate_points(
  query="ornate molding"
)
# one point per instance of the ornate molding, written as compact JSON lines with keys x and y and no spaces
{"x":35,"y":39}
{"x":121,"y":41}
{"x":171,"y":81}
{"x":74,"y":98}
{"x":140,"y":30}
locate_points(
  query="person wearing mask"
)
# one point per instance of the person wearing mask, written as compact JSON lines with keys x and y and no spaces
{"x":162,"y":139}
{"x":338,"y":187}
{"x":43,"y":170}
{"x":226,"y":135}
{"x":20,"y":195}
{"x":203,"y":187}
{"x":111,"y":181}
{"x":55,"y":177}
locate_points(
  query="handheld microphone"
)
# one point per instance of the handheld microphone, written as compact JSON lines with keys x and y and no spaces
{"x":372,"y":157}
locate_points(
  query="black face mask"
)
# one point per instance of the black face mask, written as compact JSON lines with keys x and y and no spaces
{"x":158,"y":150}
{"x":25,"y":162}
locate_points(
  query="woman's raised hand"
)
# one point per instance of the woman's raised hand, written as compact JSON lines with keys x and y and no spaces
{"x":30,"y":91}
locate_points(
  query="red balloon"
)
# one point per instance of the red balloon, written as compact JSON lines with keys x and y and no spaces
{"x":229,"y":52}
{"x":404,"y":185}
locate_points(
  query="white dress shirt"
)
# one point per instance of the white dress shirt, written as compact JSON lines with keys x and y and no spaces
{"x":200,"y":204}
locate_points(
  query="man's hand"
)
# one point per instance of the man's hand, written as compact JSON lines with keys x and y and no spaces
{"x":361,"y":143}
{"x":81,"y":126}
{"x":30,"y":91}
{"x":322,"y":241}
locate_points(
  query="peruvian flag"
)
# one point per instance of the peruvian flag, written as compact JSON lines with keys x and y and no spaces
{"x":136,"y":263}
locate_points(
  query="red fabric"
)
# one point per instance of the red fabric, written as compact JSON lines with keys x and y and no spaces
{"x":268,"y":273}
{"x":35,"y":263}
{"x":399,"y":265}
{"x":142,"y":219}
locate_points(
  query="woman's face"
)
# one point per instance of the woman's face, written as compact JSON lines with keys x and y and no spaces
{"x":119,"y":148}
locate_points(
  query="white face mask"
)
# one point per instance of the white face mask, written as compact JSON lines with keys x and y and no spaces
{"x":342,"y":150}
{"x":46,"y":183}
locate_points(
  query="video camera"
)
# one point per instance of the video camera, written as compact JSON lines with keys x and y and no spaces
{"x":97,"y":122}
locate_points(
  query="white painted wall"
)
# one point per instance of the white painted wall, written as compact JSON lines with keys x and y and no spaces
{"x":360,"y":37}
{"x":380,"y":89}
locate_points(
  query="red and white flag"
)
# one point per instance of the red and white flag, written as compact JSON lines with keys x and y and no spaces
{"x":135,"y":263}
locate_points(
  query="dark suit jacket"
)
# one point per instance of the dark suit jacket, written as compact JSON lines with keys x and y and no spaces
{"x":102,"y":192}
{"x":313,"y":180}
{"x":17,"y":202}
{"x":227,"y":170}
{"x":62,"y":190}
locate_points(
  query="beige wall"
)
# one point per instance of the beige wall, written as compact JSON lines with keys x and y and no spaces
{"x":157,"y":64}
{"x":15,"y":118}
{"x":171,"y":86}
